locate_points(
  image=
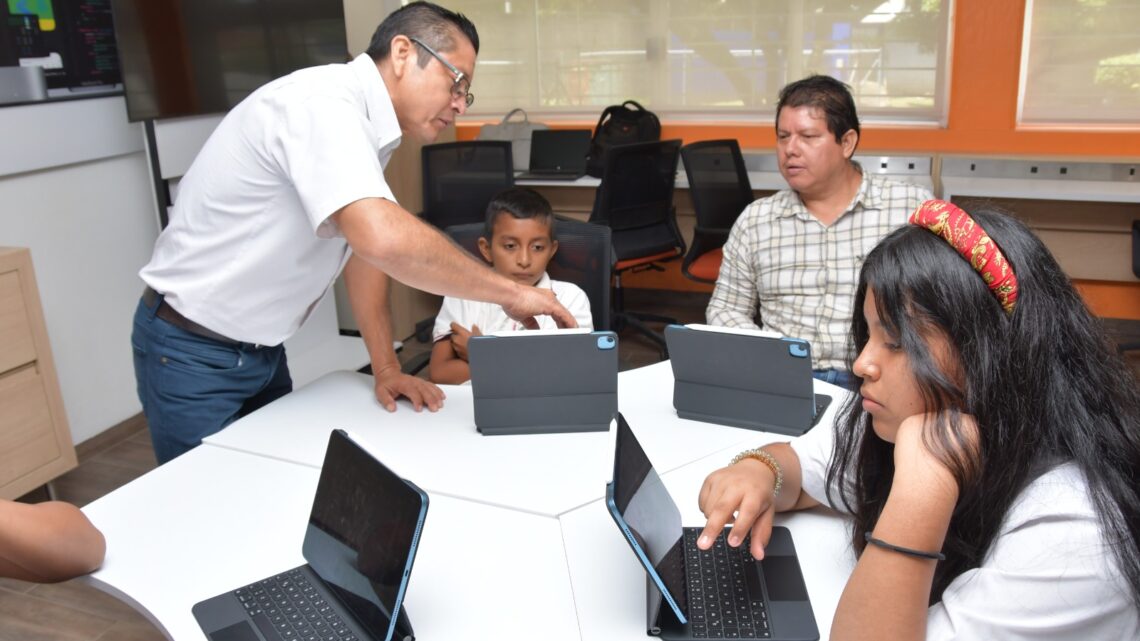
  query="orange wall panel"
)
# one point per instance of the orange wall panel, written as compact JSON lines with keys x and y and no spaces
{"x":1111,"y":299}
{"x":982,"y":119}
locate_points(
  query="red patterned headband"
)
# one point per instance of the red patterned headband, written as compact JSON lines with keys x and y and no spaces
{"x":958,"y":229}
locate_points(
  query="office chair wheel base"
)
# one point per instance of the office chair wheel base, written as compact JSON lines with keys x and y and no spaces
{"x":636,"y":322}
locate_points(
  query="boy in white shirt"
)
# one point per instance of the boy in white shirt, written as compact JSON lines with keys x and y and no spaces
{"x":518,"y":242}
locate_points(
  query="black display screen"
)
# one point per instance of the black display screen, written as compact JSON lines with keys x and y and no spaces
{"x":189,"y":57}
{"x":649,"y":512}
{"x":361,"y":533}
{"x":72,"y":40}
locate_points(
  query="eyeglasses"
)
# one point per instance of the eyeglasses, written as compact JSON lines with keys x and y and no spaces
{"x":458,"y":91}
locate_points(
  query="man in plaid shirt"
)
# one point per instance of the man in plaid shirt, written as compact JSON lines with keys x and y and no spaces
{"x":795,"y":256}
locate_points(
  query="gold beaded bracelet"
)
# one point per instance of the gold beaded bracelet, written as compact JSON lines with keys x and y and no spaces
{"x":767,"y":459}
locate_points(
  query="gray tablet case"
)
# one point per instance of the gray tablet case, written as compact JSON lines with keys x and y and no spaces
{"x":755,"y":382}
{"x":544,"y":383}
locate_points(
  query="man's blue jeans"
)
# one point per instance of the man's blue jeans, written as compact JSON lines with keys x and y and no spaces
{"x":191,"y":387}
{"x":840,"y":377}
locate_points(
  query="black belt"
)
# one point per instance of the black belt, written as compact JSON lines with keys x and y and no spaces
{"x":171,"y":315}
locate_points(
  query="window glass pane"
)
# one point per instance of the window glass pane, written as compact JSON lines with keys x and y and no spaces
{"x":1081,"y":62}
{"x":728,"y":57}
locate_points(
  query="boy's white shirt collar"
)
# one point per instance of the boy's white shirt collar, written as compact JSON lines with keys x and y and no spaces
{"x":544,"y":282}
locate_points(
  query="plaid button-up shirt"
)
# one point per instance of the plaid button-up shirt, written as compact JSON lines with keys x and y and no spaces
{"x":802,"y":274}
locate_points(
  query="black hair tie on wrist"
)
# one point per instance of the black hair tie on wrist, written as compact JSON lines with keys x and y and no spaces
{"x":920,"y":554}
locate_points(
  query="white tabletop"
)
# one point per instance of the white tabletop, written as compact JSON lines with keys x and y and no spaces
{"x":759,"y":180}
{"x":206,"y":522}
{"x":517,"y":544}
{"x":214,"y":519}
{"x":443,"y":453}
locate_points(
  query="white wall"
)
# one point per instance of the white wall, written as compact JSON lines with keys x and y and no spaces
{"x":74,"y":189}
{"x":361,"y":18}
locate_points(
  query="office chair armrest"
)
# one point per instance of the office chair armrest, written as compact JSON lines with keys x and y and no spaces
{"x":712,"y":231}
{"x":416,"y":364}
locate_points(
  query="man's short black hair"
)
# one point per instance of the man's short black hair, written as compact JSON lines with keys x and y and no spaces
{"x":827,"y":94}
{"x":428,"y":22}
{"x":521,"y":203}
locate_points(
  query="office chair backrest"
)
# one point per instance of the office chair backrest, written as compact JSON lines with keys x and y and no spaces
{"x":637,"y":186}
{"x":718,"y":182}
{"x":583,"y":258}
{"x":1136,"y":248}
{"x":460,"y":178}
{"x":635,"y":199}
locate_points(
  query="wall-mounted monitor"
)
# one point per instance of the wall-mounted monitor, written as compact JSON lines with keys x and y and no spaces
{"x":192,"y":57}
{"x":72,"y":41}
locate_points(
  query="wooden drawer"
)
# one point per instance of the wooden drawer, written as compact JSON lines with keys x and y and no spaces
{"x":35,"y":444}
{"x":16,"y":345}
{"x":28,"y":439}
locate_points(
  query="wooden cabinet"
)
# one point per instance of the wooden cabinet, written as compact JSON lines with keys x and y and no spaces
{"x":35,"y":442}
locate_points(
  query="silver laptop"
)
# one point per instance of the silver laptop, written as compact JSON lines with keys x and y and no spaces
{"x":540,"y":382}
{"x":743,"y":379}
{"x":719,"y":593}
{"x":557,"y":154}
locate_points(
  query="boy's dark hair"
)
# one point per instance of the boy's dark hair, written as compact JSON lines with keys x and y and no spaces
{"x":425,"y":21}
{"x":521,"y":203}
{"x":827,"y":94}
{"x":1080,"y":405}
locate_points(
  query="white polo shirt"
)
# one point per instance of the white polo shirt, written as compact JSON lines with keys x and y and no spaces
{"x":1049,"y":574}
{"x":249,"y":251}
{"x":491,"y":318}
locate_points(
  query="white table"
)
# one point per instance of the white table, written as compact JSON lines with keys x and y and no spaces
{"x":765,"y":174}
{"x":517,"y":544}
{"x":214,"y":519}
{"x":760,"y":180}
{"x":442,"y":452}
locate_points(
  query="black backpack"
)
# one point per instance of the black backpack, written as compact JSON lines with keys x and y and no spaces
{"x":620,"y":125}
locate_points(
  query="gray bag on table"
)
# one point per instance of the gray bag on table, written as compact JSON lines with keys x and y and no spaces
{"x":517,"y":132}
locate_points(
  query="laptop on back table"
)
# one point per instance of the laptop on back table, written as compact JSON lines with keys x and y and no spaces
{"x":557,"y":154}
{"x":360,"y":543}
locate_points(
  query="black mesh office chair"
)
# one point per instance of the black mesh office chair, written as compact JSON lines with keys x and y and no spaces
{"x":459,"y":179}
{"x":1133,"y":345}
{"x":583,"y":258}
{"x":719,"y":186}
{"x":635,"y":200}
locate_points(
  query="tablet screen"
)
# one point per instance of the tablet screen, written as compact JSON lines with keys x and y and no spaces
{"x":363,"y":531}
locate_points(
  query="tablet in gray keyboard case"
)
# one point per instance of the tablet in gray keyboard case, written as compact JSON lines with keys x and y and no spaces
{"x":544,"y":383}
{"x":754,"y":382}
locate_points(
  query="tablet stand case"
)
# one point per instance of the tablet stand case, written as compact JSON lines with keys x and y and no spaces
{"x":754,"y":382}
{"x":544,"y":384}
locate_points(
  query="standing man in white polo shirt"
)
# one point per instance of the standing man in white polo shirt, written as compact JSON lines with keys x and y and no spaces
{"x":286,"y":192}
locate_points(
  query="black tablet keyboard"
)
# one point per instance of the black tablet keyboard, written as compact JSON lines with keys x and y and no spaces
{"x":725,"y":601}
{"x":289,"y":607}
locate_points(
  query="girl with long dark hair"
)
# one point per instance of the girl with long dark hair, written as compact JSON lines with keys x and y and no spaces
{"x":991,"y":460}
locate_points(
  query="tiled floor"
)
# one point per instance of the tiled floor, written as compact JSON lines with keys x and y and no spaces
{"x":72,"y":611}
